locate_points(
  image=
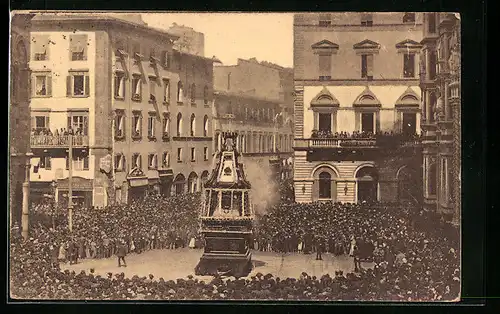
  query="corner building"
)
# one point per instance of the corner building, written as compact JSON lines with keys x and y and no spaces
{"x":441,"y":116}
{"x":357,"y":73}
{"x":116,"y":83}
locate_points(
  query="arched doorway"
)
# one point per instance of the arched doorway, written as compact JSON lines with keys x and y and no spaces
{"x":367,"y":182}
{"x":193,"y":182}
{"x":407,"y":185}
{"x":325,"y":184}
{"x":204,"y":178}
{"x":179,"y":183}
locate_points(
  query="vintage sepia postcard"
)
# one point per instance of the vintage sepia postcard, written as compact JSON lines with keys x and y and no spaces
{"x":235,"y":156}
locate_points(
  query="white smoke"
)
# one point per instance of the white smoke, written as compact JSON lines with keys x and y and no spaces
{"x":264,"y":191}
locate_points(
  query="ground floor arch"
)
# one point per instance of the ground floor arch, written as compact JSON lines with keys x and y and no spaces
{"x":367,"y":184}
{"x":325,"y":183}
{"x":193,"y":182}
{"x":179,"y":184}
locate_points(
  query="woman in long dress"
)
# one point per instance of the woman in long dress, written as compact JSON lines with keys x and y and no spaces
{"x":62,"y":252}
{"x":192,"y":243}
{"x":301,"y":246}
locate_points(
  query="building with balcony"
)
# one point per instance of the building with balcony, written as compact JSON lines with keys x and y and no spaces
{"x":255,"y":100}
{"x":120,"y":115}
{"x":19,"y":113}
{"x":357,"y":107}
{"x":440,"y":84}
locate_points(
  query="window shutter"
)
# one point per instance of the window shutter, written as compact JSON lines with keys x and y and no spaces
{"x":369,"y":65}
{"x":69,"y":122}
{"x":85,"y":125}
{"x":124,"y":164}
{"x":87,"y":85}
{"x":139,"y":161}
{"x":68,"y":86}
{"x":49,"y":85}
{"x":356,"y":121}
{"x":33,"y":122}
{"x":86,"y":163}
{"x":47,"y":124}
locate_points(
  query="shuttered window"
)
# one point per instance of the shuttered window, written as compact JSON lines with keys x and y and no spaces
{"x":78,"y":84}
{"x":325,"y":64}
{"x":78,"y":47}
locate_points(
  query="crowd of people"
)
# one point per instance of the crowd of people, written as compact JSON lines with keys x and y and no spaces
{"x":416,"y":254}
{"x":45,"y":136}
{"x":360,"y":135}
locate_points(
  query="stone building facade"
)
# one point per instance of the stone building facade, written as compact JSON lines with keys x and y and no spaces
{"x":356,"y":73}
{"x":19,"y":112}
{"x":440,"y":84}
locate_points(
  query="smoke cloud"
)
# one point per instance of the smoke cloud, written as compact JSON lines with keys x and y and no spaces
{"x":264,"y":191}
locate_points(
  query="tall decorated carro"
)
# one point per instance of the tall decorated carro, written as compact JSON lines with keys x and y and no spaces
{"x":227,"y":215}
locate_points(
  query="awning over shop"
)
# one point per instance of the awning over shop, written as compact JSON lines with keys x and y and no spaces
{"x":136,"y":177}
{"x":78,"y":183}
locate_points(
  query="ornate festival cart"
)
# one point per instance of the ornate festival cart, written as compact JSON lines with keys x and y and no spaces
{"x":227,"y":215}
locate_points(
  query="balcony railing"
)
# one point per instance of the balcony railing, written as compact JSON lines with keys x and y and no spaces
{"x":47,"y":141}
{"x":373,"y":142}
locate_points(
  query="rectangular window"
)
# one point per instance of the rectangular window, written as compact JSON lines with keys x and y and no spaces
{"x":40,"y":47}
{"x":325,"y":122}
{"x":367,"y":66}
{"x":205,"y":153}
{"x":152,"y":89}
{"x":78,"y":47}
{"x":179,"y":154}
{"x":119,"y":85}
{"x":409,"y":123}
{"x":120,"y":162}
{"x":79,"y":163}
{"x":136,"y":126}
{"x":366,"y":20}
{"x":151,"y":126}
{"x":166,"y":126}
{"x":166,"y":91}
{"x":193,"y":154}
{"x":78,"y":123}
{"x":40,"y":123}
{"x":367,"y":122}
{"x":136,"y":160}
{"x":136,"y":88}
{"x":152,"y":161}
{"x":78,"y":84}
{"x":42,"y":84}
{"x":119,"y":125}
{"x":325,"y":65}
{"x":409,"y":65}
{"x":45,"y":162}
{"x":166,"y":59}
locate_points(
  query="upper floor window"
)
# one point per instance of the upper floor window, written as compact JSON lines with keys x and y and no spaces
{"x":136,"y":88}
{"x":205,"y":95}
{"x":120,"y":124}
{"x":193,"y":154}
{"x":205,"y":153}
{"x":42,"y":84}
{"x":136,"y":125}
{"x":179,"y":124}
{"x":409,"y":17}
{"x":367,"y":66}
{"x":368,"y":122}
{"x":120,"y":162}
{"x":180,"y":92}
{"x":166,"y":91}
{"x":205,"y":125}
{"x":431,"y":23}
{"x":151,"y":126}
{"x":152,"y":89}
{"x":78,"y":84}
{"x":166,"y":160}
{"x":137,"y":161}
{"x":366,"y":19}
{"x":166,"y":59}
{"x":119,"y":85}
{"x":324,"y":49}
{"x":79,"y":123}
{"x":409,"y":65}
{"x":78,"y":47}
{"x":193,"y":93}
{"x":193,"y":124}
{"x":152,"y":161}
{"x":40,"y":47}
{"x":325,"y":19}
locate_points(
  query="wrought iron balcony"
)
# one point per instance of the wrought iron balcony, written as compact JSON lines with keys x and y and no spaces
{"x":372,"y":142}
{"x":58,"y":141}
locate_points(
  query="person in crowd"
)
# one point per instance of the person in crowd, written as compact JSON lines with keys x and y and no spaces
{"x":121,"y":253}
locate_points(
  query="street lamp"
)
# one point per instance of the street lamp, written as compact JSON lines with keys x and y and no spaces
{"x":70,"y":181}
{"x":54,"y":204}
{"x":26,"y":197}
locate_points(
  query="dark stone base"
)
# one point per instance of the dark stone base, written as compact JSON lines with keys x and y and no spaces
{"x":237,"y":265}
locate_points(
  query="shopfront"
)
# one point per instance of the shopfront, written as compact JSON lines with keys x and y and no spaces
{"x":82,"y":192}
{"x":138,"y":185}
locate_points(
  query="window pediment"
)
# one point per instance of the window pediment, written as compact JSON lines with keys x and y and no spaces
{"x":409,"y":46}
{"x":324,"y":99}
{"x":367,"y":99}
{"x":367,"y":44}
{"x":325,"y":47}
{"x":408,"y":99}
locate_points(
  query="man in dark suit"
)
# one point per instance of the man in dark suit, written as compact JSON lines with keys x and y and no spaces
{"x":72,"y":251}
{"x":121,"y":253}
{"x":320,"y":246}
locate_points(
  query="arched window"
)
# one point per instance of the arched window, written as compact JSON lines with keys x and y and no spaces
{"x":179,"y":183}
{"x":367,"y":181}
{"x":179,"y":124}
{"x":192,"y":124}
{"x":205,"y":126}
{"x":205,"y":95}
{"x":193,"y":93}
{"x":180,"y":92}
{"x":193,"y":182}
{"x":432,"y":179}
{"x":325,"y":188}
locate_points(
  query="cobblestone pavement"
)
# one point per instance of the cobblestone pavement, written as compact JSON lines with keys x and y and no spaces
{"x":180,"y":263}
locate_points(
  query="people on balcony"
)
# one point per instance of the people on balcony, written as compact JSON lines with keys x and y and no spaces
{"x":363,"y":135}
